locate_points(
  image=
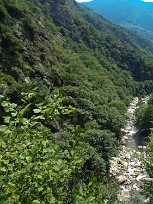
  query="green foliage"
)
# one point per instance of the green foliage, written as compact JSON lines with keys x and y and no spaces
{"x":93,"y":193}
{"x":145,"y":122}
{"x":30,"y":160}
{"x":103,"y":141}
{"x":60,"y":44}
{"x":148,"y":186}
{"x":3,"y":11}
{"x":120,"y":105}
{"x":37,"y":168}
{"x":145,"y":115}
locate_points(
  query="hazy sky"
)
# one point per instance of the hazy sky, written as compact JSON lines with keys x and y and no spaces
{"x":91,"y":0}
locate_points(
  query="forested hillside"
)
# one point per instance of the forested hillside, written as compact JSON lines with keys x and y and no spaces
{"x":67,"y":76}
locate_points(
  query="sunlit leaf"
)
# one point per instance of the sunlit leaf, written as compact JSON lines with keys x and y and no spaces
{"x":3,"y":128}
{"x":13,"y":105}
{"x":7,"y":119}
{"x":37,"y":110}
{"x":4,"y":104}
{"x":27,"y":80}
{"x":35,"y":202}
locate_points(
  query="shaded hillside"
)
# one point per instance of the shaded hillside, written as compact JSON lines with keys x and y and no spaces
{"x":59,"y":155}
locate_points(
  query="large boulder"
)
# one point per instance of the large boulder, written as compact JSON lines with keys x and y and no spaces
{"x":122,"y":179}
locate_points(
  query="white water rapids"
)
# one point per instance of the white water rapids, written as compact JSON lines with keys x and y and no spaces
{"x":127,"y":168}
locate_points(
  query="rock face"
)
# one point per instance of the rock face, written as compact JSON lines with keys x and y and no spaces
{"x":126,"y":168}
{"x":60,"y":15}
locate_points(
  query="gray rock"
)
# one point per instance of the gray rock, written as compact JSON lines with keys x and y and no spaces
{"x":147,"y":179}
{"x":122,"y":179}
{"x":124,"y":164}
{"x":125,"y":195}
{"x":146,"y":201}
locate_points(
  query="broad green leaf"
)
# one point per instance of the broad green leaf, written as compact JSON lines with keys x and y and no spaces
{"x":28,"y":158}
{"x":72,"y":152}
{"x":37,"y":110}
{"x":39,"y":117}
{"x":39,"y":176}
{"x":3,"y":144}
{"x":47,"y":111}
{"x":44,"y":143}
{"x":35,"y":202}
{"x":70,"y":107}
{"x":39,"y":104}
{"x":53,"y":200}
{"x":1,"y":96}
{"x":7,"y":132}
{"x":40,"y":189}
{"x":4,"y":104}
{"x":34,"y":124}
{"x":2,"y":169}
{"x":25,"y":121}
{"x":5,"y":161}
{"x":7,"y":109}
{"x":7,"y":119}
{"x":14,"y":114}
{"x":3,"y":128}
{"x":13,"y":105}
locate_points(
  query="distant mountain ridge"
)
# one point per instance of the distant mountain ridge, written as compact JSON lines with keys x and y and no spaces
{"x":129,"y":13}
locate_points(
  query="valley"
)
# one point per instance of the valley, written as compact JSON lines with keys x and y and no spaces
{"x":67,"y":79}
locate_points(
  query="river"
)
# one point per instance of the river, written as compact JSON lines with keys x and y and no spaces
{"x":127,"y":168}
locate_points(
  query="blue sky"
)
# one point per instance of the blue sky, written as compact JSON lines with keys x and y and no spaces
{"x":83,"y":1}
{"x":91,"y":0}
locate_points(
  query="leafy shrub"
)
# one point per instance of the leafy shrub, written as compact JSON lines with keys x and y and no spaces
{"x":30,"y":160}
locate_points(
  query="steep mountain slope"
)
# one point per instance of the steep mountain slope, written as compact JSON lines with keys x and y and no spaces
{"x":129,"y":13}
{"x":111,"y":39}
{"x":60,"y":44}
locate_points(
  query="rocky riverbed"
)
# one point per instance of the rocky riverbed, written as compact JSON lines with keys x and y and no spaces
{"x":127,"y":168}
